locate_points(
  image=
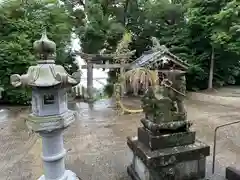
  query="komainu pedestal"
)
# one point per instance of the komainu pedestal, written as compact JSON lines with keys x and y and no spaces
{"x":165,"y":148}
{"x":183,"y":162}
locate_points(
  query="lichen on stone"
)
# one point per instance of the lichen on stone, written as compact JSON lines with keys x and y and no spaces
{"x":163,"y":104}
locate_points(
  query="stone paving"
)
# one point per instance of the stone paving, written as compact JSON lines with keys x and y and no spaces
{"x":96,"y":142}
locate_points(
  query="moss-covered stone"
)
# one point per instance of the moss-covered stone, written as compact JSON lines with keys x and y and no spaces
{"x":165,"y":140}
{"x":164,"y":104}
{"x":168,"y":156}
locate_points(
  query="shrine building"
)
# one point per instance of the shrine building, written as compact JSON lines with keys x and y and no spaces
{"x":161,"y":60}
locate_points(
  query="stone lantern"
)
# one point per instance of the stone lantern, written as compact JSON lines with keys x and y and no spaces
{"x":50,"y":114}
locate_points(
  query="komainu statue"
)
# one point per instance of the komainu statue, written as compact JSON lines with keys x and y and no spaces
{"x":176,"y":85}
{"x":157,"y":105}
{"x":163,"y":105}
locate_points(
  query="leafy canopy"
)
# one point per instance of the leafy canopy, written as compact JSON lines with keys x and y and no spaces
{"x":21,"y":25}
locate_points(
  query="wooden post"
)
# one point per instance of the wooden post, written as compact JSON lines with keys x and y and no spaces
{"x":90,"y":65}
{"x":123,"y":84}
{"x":90,"y":80}
{"x":146,"y":83}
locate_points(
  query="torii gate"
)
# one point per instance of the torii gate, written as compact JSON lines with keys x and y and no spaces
{"x":97,"y":61}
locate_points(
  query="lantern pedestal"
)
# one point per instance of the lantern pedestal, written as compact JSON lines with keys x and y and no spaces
{"x":53,"y":152}
{"x":53,"y":157}
{"x":69,"y":175}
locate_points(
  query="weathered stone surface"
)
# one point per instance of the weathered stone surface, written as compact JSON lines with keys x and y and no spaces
{"x":166,"y":127}
{"x":165,"y":149}
{"x":187,"y":170}
{"x":50,"y":114}
{"x":49,"y":74}
{"x":232,"y":173}
{"x":156,"y":106}
{"x":50,"y":123}
{"x":168,"y":156}
{"x":166,"y":140}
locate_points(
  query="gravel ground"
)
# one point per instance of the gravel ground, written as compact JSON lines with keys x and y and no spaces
{"x":96,"y":141}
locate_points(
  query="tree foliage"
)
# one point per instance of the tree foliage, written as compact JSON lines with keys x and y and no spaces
{"x":210,"y":24}
{"x":190,"y":29}
{"x":21,"y":24}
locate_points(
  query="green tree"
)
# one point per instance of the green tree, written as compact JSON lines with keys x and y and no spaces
{"x":21,"y":24}
{"x":202,"y":32}
{"x":214,"y":46}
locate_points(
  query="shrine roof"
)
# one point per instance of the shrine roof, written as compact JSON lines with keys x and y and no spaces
{"x":151,"y":57}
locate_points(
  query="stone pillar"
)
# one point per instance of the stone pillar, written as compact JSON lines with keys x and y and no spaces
{"x":90,"y":80}
{"x":53,"y":156}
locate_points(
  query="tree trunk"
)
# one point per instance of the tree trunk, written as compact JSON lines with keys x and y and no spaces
{"x":125,"y":12}
{"x":123,"y":83}
{"x":210,"y":80}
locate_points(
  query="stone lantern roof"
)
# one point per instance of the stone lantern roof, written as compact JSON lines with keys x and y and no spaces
{"x":46,"y":73}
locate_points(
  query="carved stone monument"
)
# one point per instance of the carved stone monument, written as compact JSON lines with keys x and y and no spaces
{"x":50,"y":114}
{"x":165,"y":148}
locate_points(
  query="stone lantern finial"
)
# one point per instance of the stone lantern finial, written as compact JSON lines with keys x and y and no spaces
{"x":46,"y":49}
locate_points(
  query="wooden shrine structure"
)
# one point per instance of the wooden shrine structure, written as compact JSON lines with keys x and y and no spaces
{"x":98,"y":61}
{"x":158,"y":58}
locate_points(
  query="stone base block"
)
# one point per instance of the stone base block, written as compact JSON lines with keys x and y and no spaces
{"x":232,"y":173}
{"x":165,"y":140}
{"x":177,"y":163}
{"x":69,"y":175}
